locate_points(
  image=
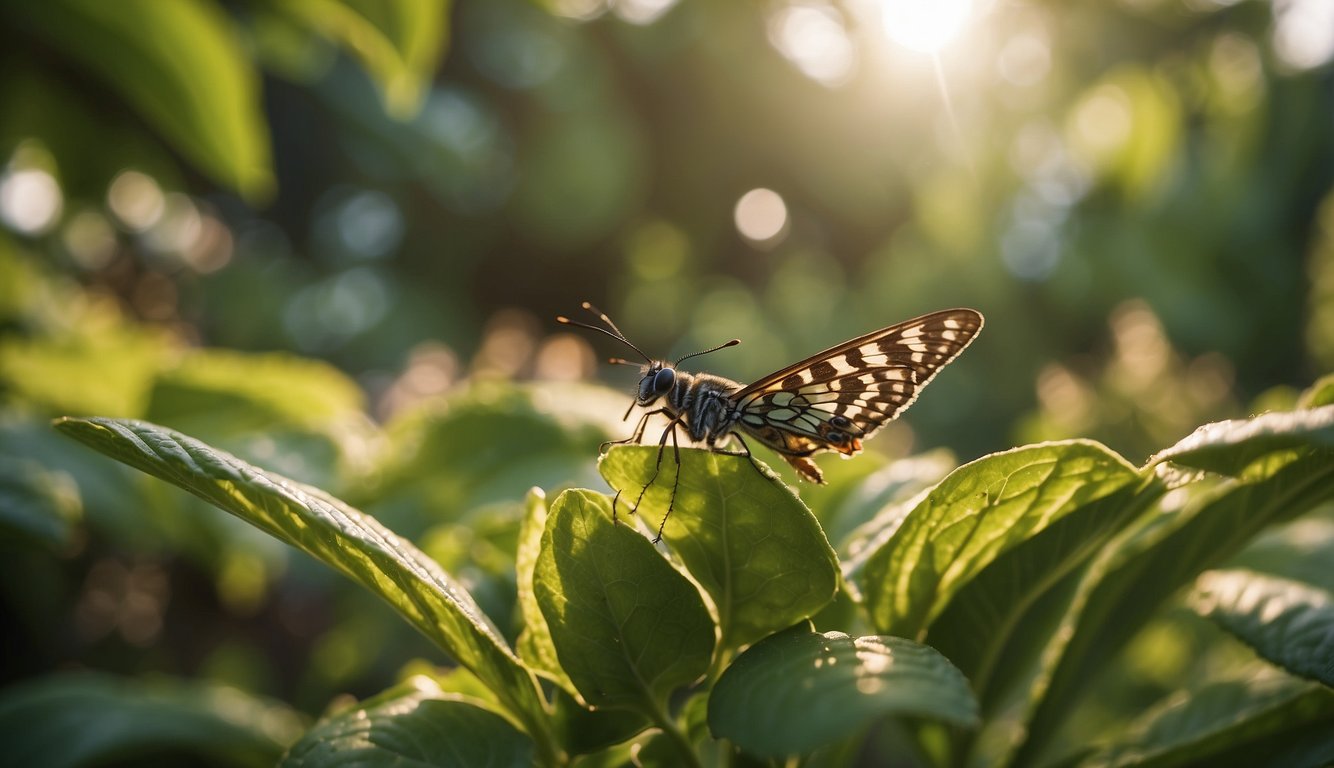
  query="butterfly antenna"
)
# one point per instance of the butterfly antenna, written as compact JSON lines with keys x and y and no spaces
{"x":724,"y":345}
{"x":615,"y":332}
{"x":599,"y":314}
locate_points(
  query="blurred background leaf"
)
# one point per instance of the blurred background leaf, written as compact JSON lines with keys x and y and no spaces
{"x":91,"y":719}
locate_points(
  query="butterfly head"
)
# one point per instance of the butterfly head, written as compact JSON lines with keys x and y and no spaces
{"x":658,"y":379}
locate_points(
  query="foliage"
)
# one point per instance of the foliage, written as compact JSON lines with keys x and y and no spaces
{"x":985,"y":599}
{"x":82,"y":719}
{"x":298,"y":259}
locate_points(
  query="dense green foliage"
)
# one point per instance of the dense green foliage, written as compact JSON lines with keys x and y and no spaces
{"x":985,"y":599}
{"x":299,"y":260}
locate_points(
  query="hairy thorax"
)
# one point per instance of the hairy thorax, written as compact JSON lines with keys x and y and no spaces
{"x":702,"y":402}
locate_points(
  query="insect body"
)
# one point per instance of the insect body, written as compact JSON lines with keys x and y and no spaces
{"x":830,"y":401}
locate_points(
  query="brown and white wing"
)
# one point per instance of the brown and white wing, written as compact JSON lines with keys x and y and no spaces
{"x":830,"y":401}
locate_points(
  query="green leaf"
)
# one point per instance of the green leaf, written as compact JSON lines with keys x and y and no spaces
{"x":105,"y":368}
{"x":1318,"y":394}
{"x":399,"y":42}
{"x":478,"y":446}
{"x":1287,"y":622}
{"x":222,"y":391}
{"x":414,"y":724}
{"x":584,"y":730}
{"x":303,"y":418}
{"x":800,"y":690}
{"x":987,"y":629}
{"x":977,"y":514}
{"x":1300,"y":550}
{"x":754,"y":547}
{"x":627,"y":627}
{"x":535,"y":646}
{"x":1127,"y":584}
{"x":181,"y":65}
{"x":1230,"y":447}
{"x":335,"y":534}
{"x":91,"y":719}
{"x":1265,"y":721}
{"x":37,"y":503}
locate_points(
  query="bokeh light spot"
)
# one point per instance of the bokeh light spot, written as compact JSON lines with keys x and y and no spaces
{"x":1102,"y":120}
{"x":642,"y":12}
{"x":761,"y":216}
{"x":814,"y":39}
{"x":370,"y":224}
{"x":178,"y":228}
{"x":1025,"y":60}
{"x":30,"y":200}
{"x":1031,"y":247}
{"x":1304,"y":32}
{"x":325,"y":315}
{"x":89,"y":239}
{"x":1236,"y":70}
{"x":564,"y":357}
{"x":657,"y":250}
{"x":508,"y":344}
{"x":136,"y":200}
{"x":513,"y":45}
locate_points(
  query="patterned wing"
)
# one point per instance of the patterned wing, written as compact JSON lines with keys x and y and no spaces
{"x":830,"y":401}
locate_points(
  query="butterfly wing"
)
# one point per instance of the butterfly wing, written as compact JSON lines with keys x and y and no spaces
{"x":832,"y":400}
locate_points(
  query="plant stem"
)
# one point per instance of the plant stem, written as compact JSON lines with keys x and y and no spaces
{"x":670,"y":729}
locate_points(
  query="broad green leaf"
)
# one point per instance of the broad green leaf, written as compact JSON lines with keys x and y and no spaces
{"x":1230,"y":447}
{"x":476,"y":447}
{"x":226,"y":391}
{"x":753,"y":546}
{"x":800,"y":690}
{"x":1266,"y":721}
{"x":987,"y":629}
{"x":181,"y":65}
{"x":1300,"y":550}
{"x":1127,"y":584}
{"x":107,"y":368}
{"x":37,"y":503}
{"x":1320,"y":393}
{"x":111,"y":496}
{"x":88,"y":151}
{"x":414,"y":724}
{"x":302,"y":418}
{"x":977,"y":514}
{"x":335,"y":534}
{"x":584,"y":730}
{"x":82,"y":719}
{"x":534,"y":644}
{"x":627,"y":627}
{"x":399,"y":42}
{"x":1287,"y":622}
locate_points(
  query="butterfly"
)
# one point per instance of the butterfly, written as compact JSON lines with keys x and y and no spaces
{"x":831,"y":401}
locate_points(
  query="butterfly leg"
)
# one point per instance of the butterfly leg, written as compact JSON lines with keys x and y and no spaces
{"x":745,"y":451}
{"x":657,"y":468}
{"x":676,"y":454}
{"x":635,"y":436}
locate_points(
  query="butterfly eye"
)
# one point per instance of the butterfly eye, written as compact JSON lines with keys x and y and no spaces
{"x":663,"y":381}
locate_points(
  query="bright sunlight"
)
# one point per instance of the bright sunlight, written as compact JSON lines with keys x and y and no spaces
{"x":925,"y":27}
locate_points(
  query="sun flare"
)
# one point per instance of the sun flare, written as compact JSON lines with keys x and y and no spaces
{"x":924,"y":26}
